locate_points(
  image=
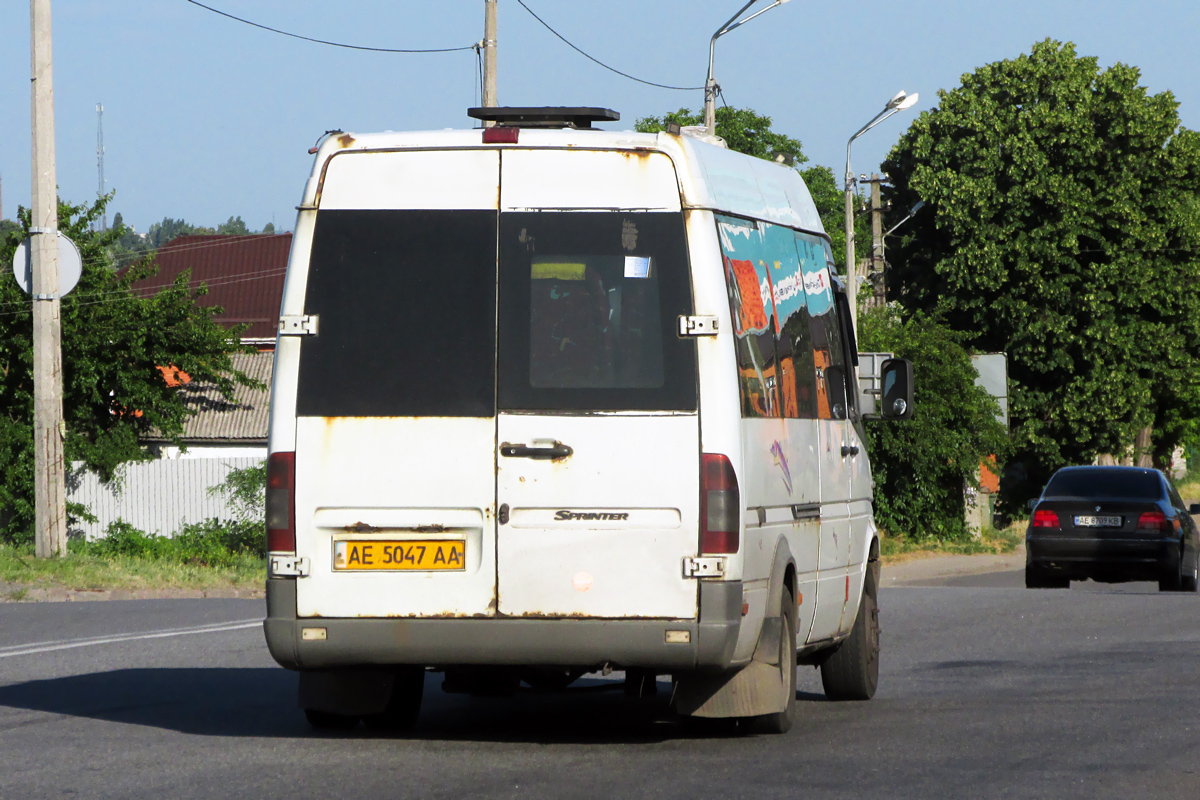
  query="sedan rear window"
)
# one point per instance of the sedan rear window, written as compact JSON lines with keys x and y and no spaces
{"x":1102,"y":482}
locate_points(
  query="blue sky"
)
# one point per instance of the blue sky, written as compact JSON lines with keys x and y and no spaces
{"x":206,"y":118}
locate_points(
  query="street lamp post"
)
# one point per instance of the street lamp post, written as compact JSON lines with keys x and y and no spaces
{"x":710,"y":83}
{"x":883,"y":239}
{"x":898,"y":103}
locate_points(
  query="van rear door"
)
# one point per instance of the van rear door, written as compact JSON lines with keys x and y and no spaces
{"x":395,"y":404}
{"x":597,"y":429}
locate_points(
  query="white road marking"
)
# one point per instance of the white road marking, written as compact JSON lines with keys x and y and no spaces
{"x":70,"y":644}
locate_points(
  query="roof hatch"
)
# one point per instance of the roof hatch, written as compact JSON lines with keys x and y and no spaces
{"x":545,"y":117}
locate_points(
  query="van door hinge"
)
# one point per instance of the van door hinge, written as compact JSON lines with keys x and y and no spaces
{"x":284,"y":566}
{"x":704,"y":567}
{"x":298,"y":325}
{"x":698,"y":325}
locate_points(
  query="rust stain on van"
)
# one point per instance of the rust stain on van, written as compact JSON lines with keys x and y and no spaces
{"x":345,"y":140}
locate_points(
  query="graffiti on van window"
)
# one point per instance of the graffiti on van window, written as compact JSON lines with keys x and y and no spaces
{"x":778,"y":282}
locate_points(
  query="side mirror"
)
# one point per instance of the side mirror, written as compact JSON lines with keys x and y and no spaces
{"x":896,"y":379}
{"x":835,"y":384}
{"x":1031,"y":504}
{"x":1194,"y":508}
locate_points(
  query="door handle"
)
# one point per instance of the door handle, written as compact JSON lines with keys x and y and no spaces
{"x":849,"y":450}
{"x":554,"y":450}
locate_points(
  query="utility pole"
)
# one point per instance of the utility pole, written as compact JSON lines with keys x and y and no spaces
{"x":489,"y":57}
{"x":50,"y":518}
{"x":100,"y":161}
{"x":877,"y":266}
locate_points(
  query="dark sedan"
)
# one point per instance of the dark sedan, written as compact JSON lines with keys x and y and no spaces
{"x":1111,"y":524}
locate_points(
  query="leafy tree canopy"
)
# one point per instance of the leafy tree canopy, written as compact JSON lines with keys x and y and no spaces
{"x":1062,"y":226}
{"x":117,"y":351}
{"x":742,"y":129}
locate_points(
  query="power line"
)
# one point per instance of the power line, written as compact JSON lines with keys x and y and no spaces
{"x":323,"y":41}
{"x":596,"y":60}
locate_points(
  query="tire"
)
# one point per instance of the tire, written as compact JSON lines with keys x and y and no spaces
{"x":852,"y":671}
{"x":404,"y":705}
{"x":1036,"y":578}
{"x":1176,"y":582}
{"x":328,"y":721}
{"x":1190,"y":583}
{"x":782,"y":721}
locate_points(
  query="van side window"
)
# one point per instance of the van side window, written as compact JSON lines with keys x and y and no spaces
{"x":793,"y":336}
{"x":753,"y":311}
{"x":829,"y":354}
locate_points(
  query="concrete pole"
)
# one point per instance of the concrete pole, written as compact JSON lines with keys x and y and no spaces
{"x":489,"y":56}
{"x":851,"y":276}
{"x":877,"y":265}
{"x":50,"y":517}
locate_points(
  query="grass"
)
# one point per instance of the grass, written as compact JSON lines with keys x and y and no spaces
{"x":20,"y":571}
{"x":215,"y":554}
{"x":898,"y":548}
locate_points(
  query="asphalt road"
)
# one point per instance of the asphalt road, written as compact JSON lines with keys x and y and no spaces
{"x":987,"y":690}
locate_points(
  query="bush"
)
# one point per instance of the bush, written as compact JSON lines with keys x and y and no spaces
{"x":921,"y":466}
{"x":212,"y":543}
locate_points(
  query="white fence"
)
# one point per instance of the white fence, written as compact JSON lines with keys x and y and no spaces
{"x":156,"y":496}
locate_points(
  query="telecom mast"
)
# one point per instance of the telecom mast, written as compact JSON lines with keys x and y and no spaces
{"x":100,"y":161}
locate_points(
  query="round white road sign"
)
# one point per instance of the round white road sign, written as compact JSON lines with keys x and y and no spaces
{"x":70,"y":265}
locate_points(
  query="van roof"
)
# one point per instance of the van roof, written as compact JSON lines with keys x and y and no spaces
{"x":710,"y":177}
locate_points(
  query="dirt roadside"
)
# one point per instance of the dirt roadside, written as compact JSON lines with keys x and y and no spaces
{"x":932,"y":567}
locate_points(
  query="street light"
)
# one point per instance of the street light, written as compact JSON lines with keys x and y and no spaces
{"x":897,"y":104}
{"x":710,"y":84}
{"x":883,"y":239}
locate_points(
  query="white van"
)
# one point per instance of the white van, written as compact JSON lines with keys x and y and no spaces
{"x":550,"y":399}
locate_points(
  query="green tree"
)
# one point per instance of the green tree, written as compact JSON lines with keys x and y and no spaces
{"x":117,"y":349}
{"x":921,"y":466}
{"x":742,"y":129}
{"x":1062,"y":226}
{"x":233,"y":227}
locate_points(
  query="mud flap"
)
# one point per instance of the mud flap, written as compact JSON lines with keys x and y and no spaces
{"x":751,"y":691}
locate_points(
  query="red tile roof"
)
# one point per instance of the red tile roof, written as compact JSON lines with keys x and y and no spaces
{"x":244,"y":275}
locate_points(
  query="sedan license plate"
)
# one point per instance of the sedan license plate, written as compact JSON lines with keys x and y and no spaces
{"x":1097,"y":522}
{"x":409,"y":554}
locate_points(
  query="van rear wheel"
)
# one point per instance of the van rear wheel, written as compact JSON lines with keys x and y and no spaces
{"x":404,"y":705}
{"x":852,"y":671}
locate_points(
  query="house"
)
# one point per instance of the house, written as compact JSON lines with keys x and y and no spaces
{"x":244,"y":275}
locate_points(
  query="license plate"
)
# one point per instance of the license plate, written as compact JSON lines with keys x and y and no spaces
{"x":1097,"y":522}
{"x":409,"y":554}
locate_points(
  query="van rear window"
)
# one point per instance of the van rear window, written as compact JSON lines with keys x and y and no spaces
{"x":406,"y":306}
{"x":588,"y":310}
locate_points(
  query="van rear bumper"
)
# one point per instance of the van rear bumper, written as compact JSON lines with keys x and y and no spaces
{"x":640,"y":643}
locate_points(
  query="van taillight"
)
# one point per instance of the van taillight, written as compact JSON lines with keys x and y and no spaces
{"x":281,"y":503}
{"x":1154,"y":521}
{"x":1045,"y":519}
{"x":720,"y":505}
